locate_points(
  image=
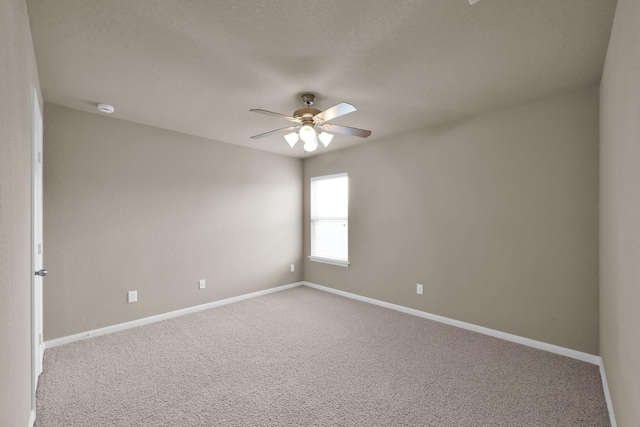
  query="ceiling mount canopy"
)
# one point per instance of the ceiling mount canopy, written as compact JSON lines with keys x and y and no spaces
{"x":311,"y":124}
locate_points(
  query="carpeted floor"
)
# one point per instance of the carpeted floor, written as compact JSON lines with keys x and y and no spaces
{"x":304,"y":357}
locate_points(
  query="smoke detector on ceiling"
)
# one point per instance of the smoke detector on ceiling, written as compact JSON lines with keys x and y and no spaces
{"x":472,"y":2}
{"x":106,"y":108}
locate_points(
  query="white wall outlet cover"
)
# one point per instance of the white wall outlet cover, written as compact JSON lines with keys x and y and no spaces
{"x":419,"y":289}
{"x":202,"y":284}
{"x":132,"y":296}
{"x":293,"y":268}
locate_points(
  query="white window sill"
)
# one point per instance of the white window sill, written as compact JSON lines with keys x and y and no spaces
{"x":337,"y":262}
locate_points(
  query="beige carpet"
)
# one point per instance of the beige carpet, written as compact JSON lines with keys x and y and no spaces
{"x":304,"y":357}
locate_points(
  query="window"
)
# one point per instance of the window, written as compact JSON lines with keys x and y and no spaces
{"x":330,"y":219}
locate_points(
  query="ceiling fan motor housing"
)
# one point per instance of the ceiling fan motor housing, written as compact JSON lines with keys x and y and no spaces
{"x":305,"y":115}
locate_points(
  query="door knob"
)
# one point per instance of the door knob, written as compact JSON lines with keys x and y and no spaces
{"x":42,"y":272}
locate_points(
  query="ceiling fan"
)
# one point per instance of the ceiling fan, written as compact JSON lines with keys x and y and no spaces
{"x":309,"y":120}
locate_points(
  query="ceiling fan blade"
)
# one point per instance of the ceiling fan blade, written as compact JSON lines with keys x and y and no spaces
{"x":262,"y":135}
{"x":271,"y":113}
{"x":347,"y":130}
{"x":335,"y":111}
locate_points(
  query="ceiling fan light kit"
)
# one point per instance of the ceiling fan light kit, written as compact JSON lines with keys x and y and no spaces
{"x":307,"y":133}
{"x":291,"y":138}
{"x":310,"y":146}
{"x":325,"y":138}
{"x":309,"y":121}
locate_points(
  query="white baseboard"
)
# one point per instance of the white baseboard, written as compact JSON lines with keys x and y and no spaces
{"x":32,"y":418}
{"x":552,"y":348}
{"x":563,"y":351}
{"x":152,"y":319}
{"x":607,"y":394}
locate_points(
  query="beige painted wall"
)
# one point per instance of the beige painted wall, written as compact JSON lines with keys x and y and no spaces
{"x":18,"y":71}
{"x":132,"y":207}
{"x":496,"y":216}
{"x":620,"y":214}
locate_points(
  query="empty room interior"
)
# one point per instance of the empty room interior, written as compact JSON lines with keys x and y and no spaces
{"x":294,"y":213}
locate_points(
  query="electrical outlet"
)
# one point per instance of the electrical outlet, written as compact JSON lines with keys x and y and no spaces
{"x":293,"y":268}
{"x":202,"y":284}
{"x":132,"y":296}
{"x":419,"y":289}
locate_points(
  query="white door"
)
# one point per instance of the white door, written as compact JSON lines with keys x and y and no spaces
{"x":37,"y":272}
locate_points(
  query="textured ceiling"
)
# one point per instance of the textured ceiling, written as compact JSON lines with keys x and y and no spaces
{"x":198,"y":66}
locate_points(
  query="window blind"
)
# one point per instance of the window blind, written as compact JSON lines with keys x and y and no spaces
{"x":330,"y":219}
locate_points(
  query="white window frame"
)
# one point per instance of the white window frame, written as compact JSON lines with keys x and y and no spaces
{"x":314,"y":257}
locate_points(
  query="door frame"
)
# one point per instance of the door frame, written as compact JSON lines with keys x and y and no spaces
{"x":37,"y":250}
